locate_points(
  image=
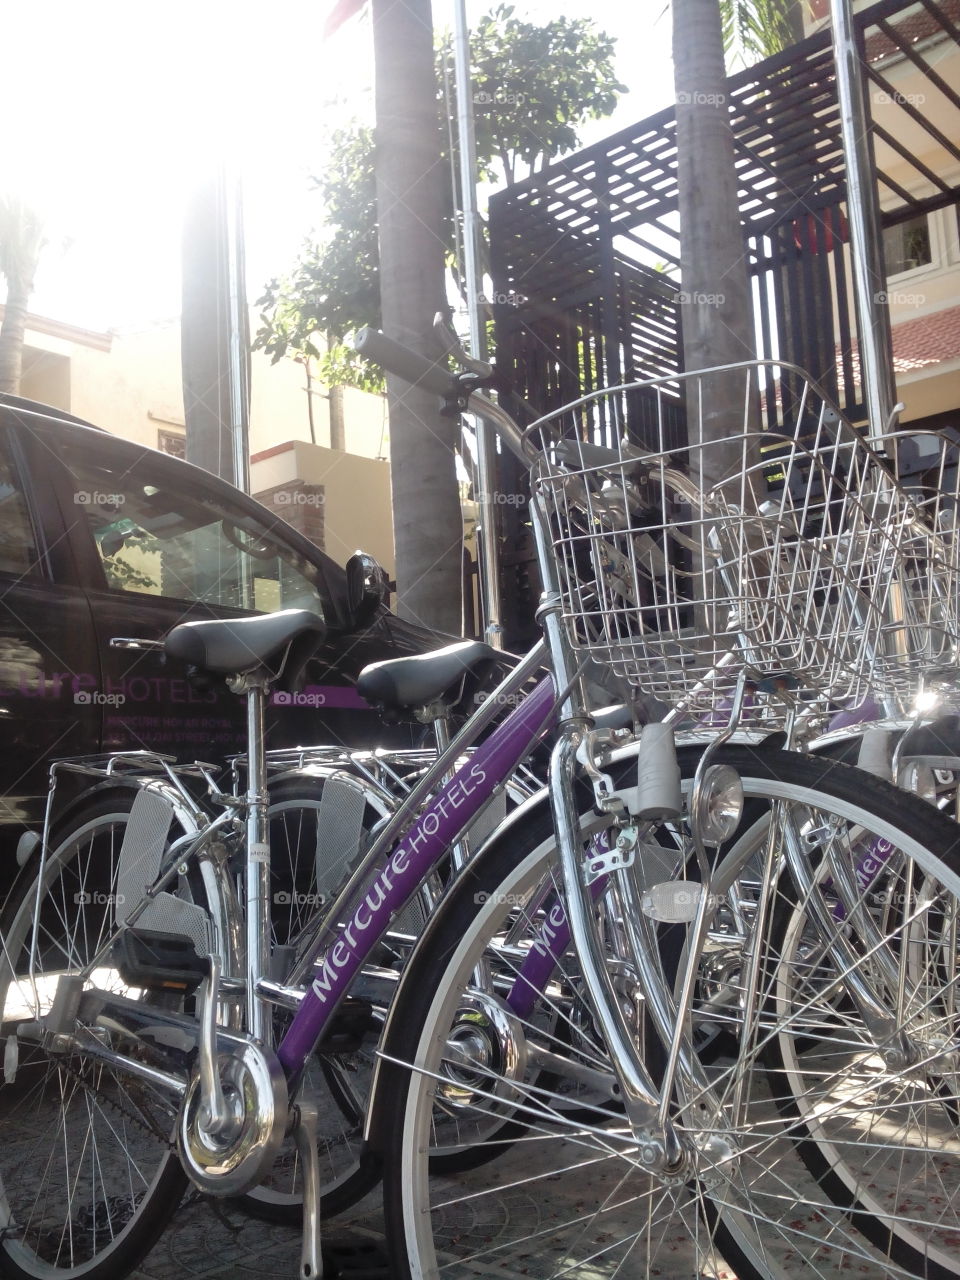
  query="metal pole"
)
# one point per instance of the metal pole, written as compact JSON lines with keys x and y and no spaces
{"x":863,"y":213}
{"x":237,"y":325}
{"x":489,"y":559}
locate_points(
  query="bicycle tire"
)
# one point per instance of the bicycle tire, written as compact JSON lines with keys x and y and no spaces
{"x":118,"y":1175}
{"x":502,"y":1210}
{"x":902,"y":1193}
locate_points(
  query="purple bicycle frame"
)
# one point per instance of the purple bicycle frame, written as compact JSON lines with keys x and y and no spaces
{"x":409,"y":863}
{"x":412,"y":859}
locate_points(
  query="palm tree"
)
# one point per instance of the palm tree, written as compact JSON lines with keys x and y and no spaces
{"x":428,"y":527}
{"x":21,"y":243}
{"x":754,"y":29}
{"x":716,"y":311}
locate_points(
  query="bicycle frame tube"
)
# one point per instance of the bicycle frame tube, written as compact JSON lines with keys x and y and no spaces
{"x":412,"y":859}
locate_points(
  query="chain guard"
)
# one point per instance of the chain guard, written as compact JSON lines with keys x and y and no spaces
{"x":256,"y":1093}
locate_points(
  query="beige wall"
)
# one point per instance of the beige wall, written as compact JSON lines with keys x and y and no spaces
{"x":938,"y":393}
{"x":346,"y":496}
{"x":129,"y":382}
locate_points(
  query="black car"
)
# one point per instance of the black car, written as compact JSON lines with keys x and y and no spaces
{"x":101,"y":538}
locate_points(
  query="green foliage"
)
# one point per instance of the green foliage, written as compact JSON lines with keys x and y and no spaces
{"x":533,"y":87}
{"x":756,"y":29}
{"x":334,"y":285}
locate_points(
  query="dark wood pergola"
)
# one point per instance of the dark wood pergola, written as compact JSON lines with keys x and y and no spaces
{"x":578,"y":250}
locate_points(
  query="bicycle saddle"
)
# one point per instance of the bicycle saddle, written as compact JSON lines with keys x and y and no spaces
{"x":279,"y":643}
{"x":404,"y":684}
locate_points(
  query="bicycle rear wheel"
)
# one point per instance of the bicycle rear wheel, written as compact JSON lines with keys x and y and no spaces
{"x":88,"y":1174}
{"x":571,"y":1195}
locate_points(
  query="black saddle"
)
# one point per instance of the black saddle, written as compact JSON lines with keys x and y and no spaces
{"x":279,"y":644}
{"x":403,"y":685}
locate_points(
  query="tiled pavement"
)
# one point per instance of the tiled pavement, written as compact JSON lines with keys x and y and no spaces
{"x":211,"y":1238}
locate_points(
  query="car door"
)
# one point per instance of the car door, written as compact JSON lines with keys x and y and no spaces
{"x":48,"y":653}
{"x":166,"y":544}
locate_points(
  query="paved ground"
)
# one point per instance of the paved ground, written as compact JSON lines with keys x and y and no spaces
{"x":211,"y":1238}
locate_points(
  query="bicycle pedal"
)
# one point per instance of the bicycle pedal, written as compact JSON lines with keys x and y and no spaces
{"x":352,"y":1021}
{"x":160,"y":961}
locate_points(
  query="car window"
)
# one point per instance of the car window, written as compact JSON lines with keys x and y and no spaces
{"x":157,"y":538}
{"x":18,"y":545}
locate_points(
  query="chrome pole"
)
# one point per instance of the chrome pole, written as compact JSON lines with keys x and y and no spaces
{"x":863,"y":213}
{"x":489,"y":559}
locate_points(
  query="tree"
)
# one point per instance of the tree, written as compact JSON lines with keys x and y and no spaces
{"x":334,"y":286}
{"x":715,"y":301}
{"x":428,"y":531}
{"x":755,"y":29}
{"x":533,"y":87}
{"x":21,"y":243}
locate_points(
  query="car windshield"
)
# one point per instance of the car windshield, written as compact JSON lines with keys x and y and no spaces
{"x":163,"y":538}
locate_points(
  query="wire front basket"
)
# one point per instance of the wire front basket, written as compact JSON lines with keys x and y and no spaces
{"x":792,"y":550}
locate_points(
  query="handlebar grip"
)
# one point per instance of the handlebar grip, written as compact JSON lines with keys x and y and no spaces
{"x":409,"y":365}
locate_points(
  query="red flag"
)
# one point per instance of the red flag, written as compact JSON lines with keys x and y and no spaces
{"x":339,"y":13}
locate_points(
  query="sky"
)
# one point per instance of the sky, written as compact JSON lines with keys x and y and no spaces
{"x":124,"y":106}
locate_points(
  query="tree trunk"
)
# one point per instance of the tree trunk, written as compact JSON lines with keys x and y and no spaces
{"x":12,"y":334}
{"x":338,"y":431}
{"x":428,"y":527}
{"x":716,"y":312}
{"x":794,"y":17}
{"x":210,"y":394}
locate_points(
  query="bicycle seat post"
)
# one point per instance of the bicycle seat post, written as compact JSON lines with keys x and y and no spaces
{"x":438,"y":715}
{"x":259,"y":1021}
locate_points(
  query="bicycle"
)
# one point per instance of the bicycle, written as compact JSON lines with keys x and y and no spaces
{"x":466,"y":1083}
{"x":120,"y":1027}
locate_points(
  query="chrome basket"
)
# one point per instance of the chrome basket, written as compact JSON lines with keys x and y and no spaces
{"x":788,"y":548}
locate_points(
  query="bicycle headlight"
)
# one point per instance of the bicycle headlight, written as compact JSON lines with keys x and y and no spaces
{"x":718,"y":805}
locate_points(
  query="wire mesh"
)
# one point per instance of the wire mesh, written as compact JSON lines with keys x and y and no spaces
{"x":928,"y":469}
{"x":797,"y":554}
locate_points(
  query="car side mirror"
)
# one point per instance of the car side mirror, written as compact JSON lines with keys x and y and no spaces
{"x":368,"y":587}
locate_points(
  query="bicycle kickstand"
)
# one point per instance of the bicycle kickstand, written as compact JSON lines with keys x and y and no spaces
{"x":306,"y":1135}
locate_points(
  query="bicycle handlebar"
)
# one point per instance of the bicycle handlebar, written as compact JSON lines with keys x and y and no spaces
{"x":414,"y":368}
{"x":432,"y":376}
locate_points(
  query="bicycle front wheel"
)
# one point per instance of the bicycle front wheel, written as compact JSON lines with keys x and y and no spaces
{"x":873,"y":1106}
{"x":571,"y":1196}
